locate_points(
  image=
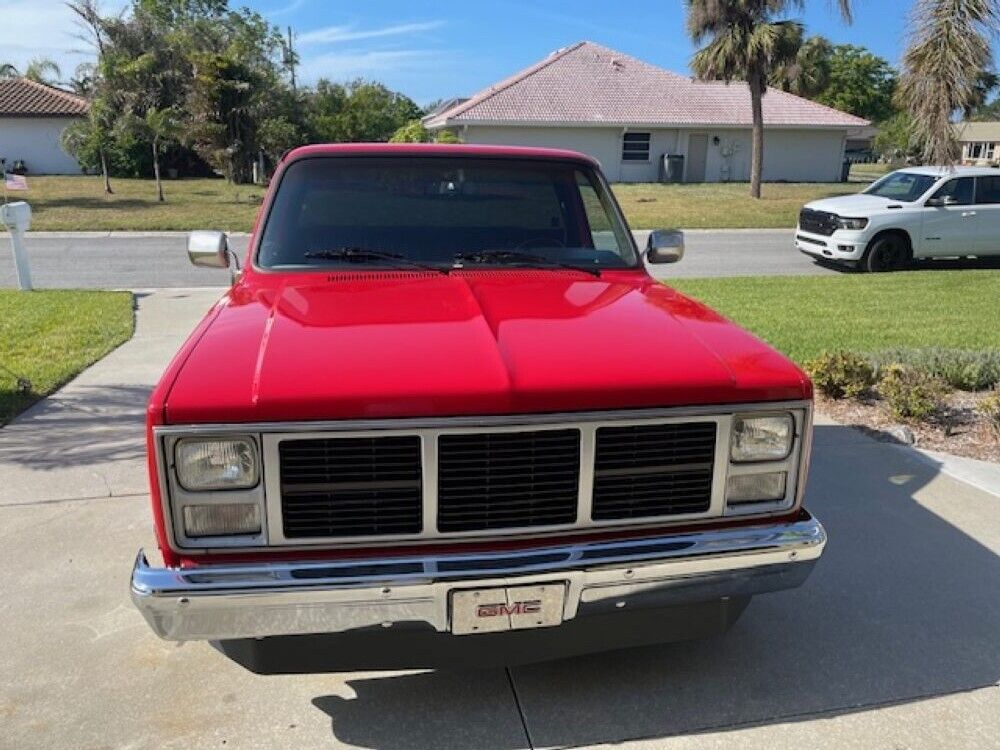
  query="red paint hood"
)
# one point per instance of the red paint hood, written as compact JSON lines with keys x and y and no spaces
{"x":399,"y":344}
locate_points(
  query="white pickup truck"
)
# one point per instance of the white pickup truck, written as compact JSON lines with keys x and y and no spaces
{"x":917,"y":212}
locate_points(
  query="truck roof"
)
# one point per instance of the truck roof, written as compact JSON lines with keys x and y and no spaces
{"x":437,"y":149}
{"x":957,"y":171}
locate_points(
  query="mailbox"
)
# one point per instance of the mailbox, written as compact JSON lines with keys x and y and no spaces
{"x":17,"y":216}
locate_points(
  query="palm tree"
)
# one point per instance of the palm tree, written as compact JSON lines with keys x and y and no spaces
{"x":744,"y":42}
{"x":949,"y":47}
{"x":8,"y":70}
{"x":43,"y":70}
{"x":809,"y":73}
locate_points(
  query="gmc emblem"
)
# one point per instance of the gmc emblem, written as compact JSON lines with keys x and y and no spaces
{"x":502,"y":609}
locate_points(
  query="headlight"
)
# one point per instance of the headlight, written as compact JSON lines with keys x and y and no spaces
{"x":216,"y":464}
{"x":754,"y":488}
{"x":221,"y":520}
{"x":844,"y":222}
{"x":762,"y":438}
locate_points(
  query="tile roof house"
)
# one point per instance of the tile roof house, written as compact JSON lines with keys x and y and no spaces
{"x":629,"y":114}
{"x":980,"y":142}
{"x":33,"y":117}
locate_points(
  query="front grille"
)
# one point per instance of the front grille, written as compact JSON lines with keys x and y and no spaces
{"x":500,"y":480}
{"x":653,"y":470}
{"x":346,"y":487}
{"x":817,"y":222}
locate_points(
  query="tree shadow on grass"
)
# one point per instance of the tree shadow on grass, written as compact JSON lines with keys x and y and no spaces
{"x":903,"y":606}
{"x":89,"y":204}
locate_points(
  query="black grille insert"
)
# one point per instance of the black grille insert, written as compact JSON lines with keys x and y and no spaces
{"x":346,"y":487}
{"x":499,"y":480}
{"x":653,"y":470}
{"x":817,"y":222}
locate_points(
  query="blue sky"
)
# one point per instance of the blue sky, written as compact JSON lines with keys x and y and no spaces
{"x":430,"y":50}
{"x":442,"y":49}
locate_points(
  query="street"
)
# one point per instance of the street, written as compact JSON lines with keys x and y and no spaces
{"x":890,"y":644}
{"x":134,"y":261}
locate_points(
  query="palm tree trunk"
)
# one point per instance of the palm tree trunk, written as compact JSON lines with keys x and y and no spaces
{"x":757,"y":150}
{"x":104,"y":172}
{"x":156,"y":171}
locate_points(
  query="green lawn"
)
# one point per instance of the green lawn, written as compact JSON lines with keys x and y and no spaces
{"x":802,"y":316}
{"x":48,"y":337}
{"x":79,"y":204}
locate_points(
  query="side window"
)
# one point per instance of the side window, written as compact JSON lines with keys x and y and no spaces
{"x":602,"y":232}
{"x":961,"y":189}
{"x":635,"y":147}
{"x":988,"y":190}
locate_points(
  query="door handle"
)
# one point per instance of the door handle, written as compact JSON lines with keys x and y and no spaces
{"x":968,"y":213}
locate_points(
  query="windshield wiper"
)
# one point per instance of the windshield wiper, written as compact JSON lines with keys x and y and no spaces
{"x":508,"y":257}
{"x":364,"y":255}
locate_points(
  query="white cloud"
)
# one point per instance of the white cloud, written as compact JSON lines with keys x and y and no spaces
{"x":339,"y":66}
{"x":349,"y":33}
{"x":291,"y":7}
{"x":45,"y":28}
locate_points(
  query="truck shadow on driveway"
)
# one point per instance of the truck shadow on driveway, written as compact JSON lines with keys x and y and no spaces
{"x":903,"y":606}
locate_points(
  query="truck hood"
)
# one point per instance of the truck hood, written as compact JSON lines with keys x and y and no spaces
{"x":400,"y":344}
{"x":858,"y":205}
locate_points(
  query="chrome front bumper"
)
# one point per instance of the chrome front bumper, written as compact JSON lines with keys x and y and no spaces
{"x":221,"y":602}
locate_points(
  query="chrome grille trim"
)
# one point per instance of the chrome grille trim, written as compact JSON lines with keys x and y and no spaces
{"x":271,"y":433}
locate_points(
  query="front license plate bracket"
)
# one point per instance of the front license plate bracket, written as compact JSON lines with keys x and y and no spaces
{"x":503,"y":608}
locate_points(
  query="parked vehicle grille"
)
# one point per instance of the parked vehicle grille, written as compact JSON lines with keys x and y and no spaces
{"x":344,"y":487}
{"x":498,"y":480}
{"x":817,"y":222}
{"x":653,"y":470}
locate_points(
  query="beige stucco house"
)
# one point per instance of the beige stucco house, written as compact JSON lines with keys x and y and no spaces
{"x":33,"y":117}
{"x":629,"y":115}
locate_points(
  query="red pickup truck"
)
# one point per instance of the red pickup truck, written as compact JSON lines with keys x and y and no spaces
{"x":444,"y":410}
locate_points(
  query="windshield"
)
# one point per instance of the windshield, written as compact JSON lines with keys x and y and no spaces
{"x":902,"y":186}
{"x":394,"y":212}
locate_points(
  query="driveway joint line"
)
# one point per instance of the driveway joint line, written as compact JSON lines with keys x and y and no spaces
{"x":60,"y":500}
{"x":520,"y":708}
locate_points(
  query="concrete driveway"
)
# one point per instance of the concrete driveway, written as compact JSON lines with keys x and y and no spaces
{"x":893,"y":643}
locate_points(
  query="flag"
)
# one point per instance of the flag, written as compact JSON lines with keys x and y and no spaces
{"x":15,"y":182}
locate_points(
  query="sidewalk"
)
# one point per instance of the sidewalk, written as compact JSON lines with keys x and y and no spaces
{"x":891,"y":644}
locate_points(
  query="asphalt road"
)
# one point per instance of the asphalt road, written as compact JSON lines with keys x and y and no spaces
{"x":134,"y":261}
{"x":891,"y":643}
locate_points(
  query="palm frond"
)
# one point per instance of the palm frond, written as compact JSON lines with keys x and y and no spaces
{"x":948,"y":49}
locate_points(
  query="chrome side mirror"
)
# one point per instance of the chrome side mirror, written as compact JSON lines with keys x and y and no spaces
{"x":209,"y":249}
{"x":665,"y":246}
{"x":947,"y":200}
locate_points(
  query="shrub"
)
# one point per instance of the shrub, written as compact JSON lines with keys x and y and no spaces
{"x":959,"y":368}
{"x":989,"y":407}
{"x":841,"y":374}
{"x":911,"y":394}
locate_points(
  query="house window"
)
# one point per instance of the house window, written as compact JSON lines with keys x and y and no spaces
{"x":980,"y":150}
{"x":635,"y":147}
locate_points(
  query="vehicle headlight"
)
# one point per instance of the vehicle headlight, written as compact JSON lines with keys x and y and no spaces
{"x":755,"y":488}
{"x":762,"y":438}
{"x":221,"y":520}
{"x":844,"y":222}
{"x":216,"y":463}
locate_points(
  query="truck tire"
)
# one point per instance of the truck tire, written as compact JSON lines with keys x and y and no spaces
{"x":886,"y":253}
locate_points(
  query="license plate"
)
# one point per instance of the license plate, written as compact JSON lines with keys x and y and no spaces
{"x":507,"y":608}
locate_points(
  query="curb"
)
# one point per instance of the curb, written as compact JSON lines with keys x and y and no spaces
{"x":110,"y":234}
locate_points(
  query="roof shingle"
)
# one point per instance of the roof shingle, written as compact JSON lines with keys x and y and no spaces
{"x":591,"y":84}
{"x":20,"y":97}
